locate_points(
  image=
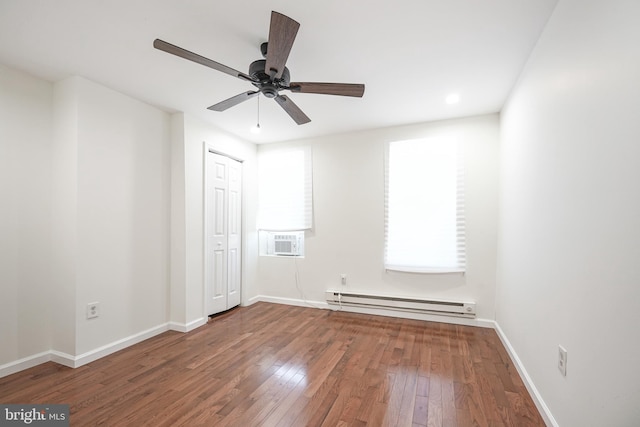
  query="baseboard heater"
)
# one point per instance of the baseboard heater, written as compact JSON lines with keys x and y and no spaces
{"x":416,"y":305}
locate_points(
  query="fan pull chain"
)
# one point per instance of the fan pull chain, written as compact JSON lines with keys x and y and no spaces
{"x":257,"y":129}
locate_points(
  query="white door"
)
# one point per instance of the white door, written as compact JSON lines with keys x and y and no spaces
{"x":223,"y":233}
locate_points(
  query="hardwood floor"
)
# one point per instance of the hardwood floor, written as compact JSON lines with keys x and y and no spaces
{"x":277,"y":365}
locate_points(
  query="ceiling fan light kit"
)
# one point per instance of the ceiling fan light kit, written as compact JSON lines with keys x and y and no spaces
{"x":270,"y":76}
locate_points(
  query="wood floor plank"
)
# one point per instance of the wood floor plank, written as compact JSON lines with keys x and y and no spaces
{"x":395,"y":398}
{"x":408,"y":399}
{"x":277,"y":365}
{"x":420,"y":410}
{"x":434,"y":407}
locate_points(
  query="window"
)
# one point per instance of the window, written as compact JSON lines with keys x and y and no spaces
{"x":424,"y":206}
{"x":285,"y":197}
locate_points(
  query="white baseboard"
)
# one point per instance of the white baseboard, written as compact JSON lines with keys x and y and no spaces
{"x":187,"y":327}
{"x":62,"y":358}
{"x":526,"y":379}
{"x":24,"y":363}
{"x":82,"y":359}
{"x":118,"y":345}
{"x":252,"y":301}
{"x":289,"y":301}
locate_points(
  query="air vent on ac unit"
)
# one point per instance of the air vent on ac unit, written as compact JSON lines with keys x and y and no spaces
{"x":285,"y":243}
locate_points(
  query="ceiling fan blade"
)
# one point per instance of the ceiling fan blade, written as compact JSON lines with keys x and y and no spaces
{"x":292,"y":109}
{"x":282,"y":33}
{"x":234,"y":100}
{"x":183,"y":53}
{"x":342,"y":89}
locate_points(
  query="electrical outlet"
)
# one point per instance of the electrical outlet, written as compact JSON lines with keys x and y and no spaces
{"x":343,"y":279}
{"x":93,"y":310}
{"x":562,"y":360}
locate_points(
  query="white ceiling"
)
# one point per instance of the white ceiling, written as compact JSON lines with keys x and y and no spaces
{"x":410,"y":54}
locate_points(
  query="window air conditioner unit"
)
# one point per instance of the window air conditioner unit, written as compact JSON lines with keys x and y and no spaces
{"x":284,"y":244}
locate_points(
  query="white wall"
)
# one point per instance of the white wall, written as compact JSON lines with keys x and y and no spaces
{"x":189,"y":138}
{"x":25,"y":216}
{"x":123,"y":196}
{"x":64,"y":209}
{"x":348,"y":233}
{"x":569,"y":242}
{"x":102,"y":201}
{"x":85,"y":217}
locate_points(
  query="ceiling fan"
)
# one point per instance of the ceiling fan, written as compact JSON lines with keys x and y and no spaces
{"x":270,"y":76}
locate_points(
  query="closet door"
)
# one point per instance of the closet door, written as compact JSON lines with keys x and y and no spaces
{"x":222,"y":233}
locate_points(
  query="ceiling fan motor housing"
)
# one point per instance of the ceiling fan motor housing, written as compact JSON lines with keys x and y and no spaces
{"x":268,"y":87}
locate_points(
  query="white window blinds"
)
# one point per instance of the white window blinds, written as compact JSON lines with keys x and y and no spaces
{"x":285,"y":201}
{"x":424,"y":206}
